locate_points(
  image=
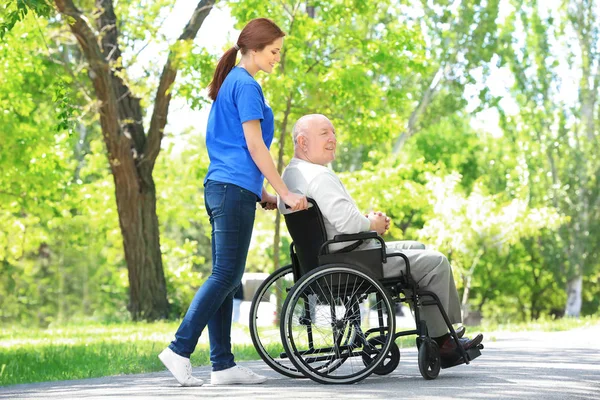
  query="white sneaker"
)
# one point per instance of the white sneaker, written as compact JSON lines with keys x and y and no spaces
{"x":236,"y":375}
{"x":180,"y":367}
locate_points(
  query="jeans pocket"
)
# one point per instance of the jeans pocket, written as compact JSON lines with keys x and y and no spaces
{"x":214,"y":197}
{"x":248,"y":196}
{"x":248,"y":200}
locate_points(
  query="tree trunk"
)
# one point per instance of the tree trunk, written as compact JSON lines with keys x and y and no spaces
{"x":426,"y":99}
{"x":573,"y":307}
{"x":141,"y":242}
{"x":467,"y":288}
{"x":60,"y":272}
{"x":582,"y":20}
{"x":131,"y":154}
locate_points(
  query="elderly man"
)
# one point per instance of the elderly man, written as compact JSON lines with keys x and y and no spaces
{"x":308,"y":174}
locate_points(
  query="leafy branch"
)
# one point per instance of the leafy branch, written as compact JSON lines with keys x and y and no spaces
{"x":16,"y":11}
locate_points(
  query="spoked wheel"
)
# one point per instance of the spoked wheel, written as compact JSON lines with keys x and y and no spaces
{"x":429,"y":359}
{"x":325,"y":319}
{"x":265,"y":314}
{"x":390,"y":361}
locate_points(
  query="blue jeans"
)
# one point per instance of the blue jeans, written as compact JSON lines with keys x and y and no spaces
{"x":231,"y":211}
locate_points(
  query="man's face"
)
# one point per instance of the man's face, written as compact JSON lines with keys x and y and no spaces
{"x":266,"y":58}
{"x":319,"y":141}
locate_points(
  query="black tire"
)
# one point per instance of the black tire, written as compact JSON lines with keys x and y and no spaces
{"x":323,"y":331}
{"x":429,"y":359}
{"x":390,"y":361}
{"x":267,"y":340}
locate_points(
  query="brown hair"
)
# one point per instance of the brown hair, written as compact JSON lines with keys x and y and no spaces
{"x":256,"y":35}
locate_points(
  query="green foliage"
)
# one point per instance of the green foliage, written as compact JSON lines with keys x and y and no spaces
{"x":396,"y":189}
{"x":15,"y":11}
{"x":516,"y":214}
{"x":347,"y":62}
{"x":555,"y":141}
{"x":452,"y":145}
{"x":197,"y":68}
{"x":477,"y":231}
{"x":62,"y":99}
{"x":60,"y":247}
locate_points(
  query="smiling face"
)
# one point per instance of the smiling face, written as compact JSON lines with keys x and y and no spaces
{"x":266,"y":58}
{"x":317,"y":140}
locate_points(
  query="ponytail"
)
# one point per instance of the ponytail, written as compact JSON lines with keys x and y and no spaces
{"x":225,"y":65}
{"x":257,"y":34}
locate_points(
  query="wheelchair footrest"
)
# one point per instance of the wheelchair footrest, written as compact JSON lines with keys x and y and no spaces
{"x":472,"y":353}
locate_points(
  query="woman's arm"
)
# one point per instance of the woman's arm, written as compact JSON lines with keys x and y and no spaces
{"x":262,"y":158}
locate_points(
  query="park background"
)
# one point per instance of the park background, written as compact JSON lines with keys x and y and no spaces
{"x":473,"y":124}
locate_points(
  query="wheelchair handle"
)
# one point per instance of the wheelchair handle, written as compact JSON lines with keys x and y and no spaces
{"x":308,"y":199}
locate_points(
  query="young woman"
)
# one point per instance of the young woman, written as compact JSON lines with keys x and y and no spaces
{"x":239,"y":132}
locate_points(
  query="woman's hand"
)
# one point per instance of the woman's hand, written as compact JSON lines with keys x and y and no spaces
{"x":296,"y":202}
{"x":268,"y":201}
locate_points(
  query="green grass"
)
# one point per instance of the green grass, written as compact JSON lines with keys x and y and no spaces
{"x":546,"y":325}
{"x":93,"y":350}
{"x":87,"y":351}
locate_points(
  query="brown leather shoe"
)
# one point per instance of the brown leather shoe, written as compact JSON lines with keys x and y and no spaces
{"x":448,"y":349}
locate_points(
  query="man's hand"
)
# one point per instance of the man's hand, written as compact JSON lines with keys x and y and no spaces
{"x":380,"y":223}
{"x":388,"y":222}
{"x":268,"y":201}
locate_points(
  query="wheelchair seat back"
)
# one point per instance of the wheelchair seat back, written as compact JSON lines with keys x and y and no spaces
{"x":308,"y":235}
{"x":307,"y":229}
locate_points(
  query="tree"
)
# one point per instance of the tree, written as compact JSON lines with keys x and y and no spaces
{"x":131,"y":151}
{"x":557,"y":140}
{"x":461,"y":37}
{"x":341,"y":58}
{"x":36,"y":177}
{"x":478,"y":229}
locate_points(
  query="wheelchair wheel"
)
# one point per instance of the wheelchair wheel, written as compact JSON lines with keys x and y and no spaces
{"x":390,"y":361}
{"x":429,"y":359}
{"x":268,"y":301}
{"x":327,"y":317}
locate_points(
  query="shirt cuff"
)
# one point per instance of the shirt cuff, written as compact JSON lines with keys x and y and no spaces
{"x":366,"y":224}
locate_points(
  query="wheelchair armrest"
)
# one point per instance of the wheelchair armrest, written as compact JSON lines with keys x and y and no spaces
{"x":355,"y":236}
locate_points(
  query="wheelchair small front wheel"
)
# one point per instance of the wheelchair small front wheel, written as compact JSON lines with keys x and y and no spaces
{"x":390,"y":361}
{"x":429,"y":359}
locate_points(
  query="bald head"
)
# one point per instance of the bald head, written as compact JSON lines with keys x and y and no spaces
{"x":306,"y":124}
{"x":314,"y":139}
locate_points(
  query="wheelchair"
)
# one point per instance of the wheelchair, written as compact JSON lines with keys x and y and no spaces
{"x":334,"y":312}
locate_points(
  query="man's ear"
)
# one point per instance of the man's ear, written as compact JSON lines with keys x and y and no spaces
{"x":301,"y":141}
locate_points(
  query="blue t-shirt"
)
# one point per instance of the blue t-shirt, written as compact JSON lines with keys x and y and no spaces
{"x":240,"y":99}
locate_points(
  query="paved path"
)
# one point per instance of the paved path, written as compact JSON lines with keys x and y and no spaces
{"x":527,"y":365}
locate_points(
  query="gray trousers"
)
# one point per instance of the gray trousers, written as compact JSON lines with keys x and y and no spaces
{"x":432,"y":272}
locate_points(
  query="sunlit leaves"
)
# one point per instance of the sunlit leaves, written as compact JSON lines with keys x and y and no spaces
{"x":13,"y":11}
{"x":346,"y":62}
{"x":63,"y":100}
{"x":197,"y":68}
{"x":553,"y":133}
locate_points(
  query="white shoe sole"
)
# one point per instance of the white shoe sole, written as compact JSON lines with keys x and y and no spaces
{"x":257,"y":382}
